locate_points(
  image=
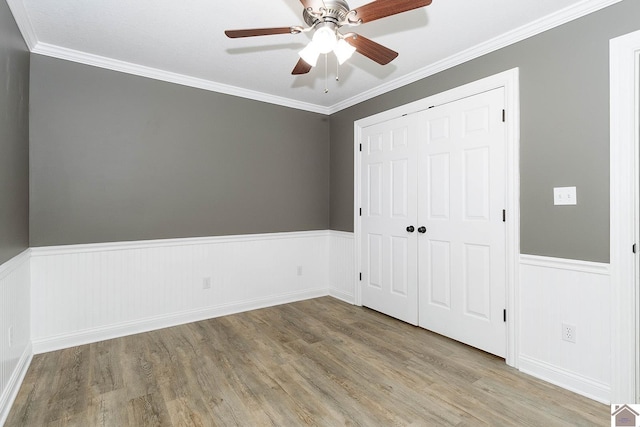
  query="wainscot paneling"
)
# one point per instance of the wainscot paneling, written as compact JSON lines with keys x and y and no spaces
{"x":15,"y":340}
{"x":88,"y":293}
{"x":554,"y":292}
{"x":341,"y":266}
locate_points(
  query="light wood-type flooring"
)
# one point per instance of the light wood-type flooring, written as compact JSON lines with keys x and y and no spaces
{"x":318,"y":362}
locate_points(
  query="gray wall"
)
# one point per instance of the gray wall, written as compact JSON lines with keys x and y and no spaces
{"x":564,"y":89}
{"x":117,"y":157}
{"x":14,"y":138}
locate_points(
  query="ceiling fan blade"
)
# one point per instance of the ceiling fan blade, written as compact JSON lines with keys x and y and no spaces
{"x":234,"y":34}
{"x":301,"y":67}
{"x":383,"y":8}
{"x":372,"y":50}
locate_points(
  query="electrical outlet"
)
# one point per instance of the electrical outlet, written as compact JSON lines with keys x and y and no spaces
{"x":568,"y":333}
{"x":10,"y":336}
{"x":206,"y":283}
{"x":299,"y":270}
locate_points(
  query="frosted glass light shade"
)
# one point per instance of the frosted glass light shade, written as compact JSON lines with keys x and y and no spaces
{"x":310,"y":54}
{"x":325,"y":39}
{"x":343,"y":51}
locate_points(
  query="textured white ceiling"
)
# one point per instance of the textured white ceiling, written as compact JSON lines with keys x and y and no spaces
{"x":184,"y":40}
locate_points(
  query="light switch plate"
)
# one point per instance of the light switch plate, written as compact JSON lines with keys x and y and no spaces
{"x":565,"y":196}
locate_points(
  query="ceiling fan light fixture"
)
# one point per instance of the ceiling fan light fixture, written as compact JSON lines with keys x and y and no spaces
{"x":325,"y":38}
{"x":310,"y":54}
{"x":325,"y":18}
{"x":343,"y":51}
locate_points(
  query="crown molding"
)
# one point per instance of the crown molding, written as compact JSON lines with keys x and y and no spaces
{"x":25,"y":26}
{"x":551,"y":21}
{"x":544,"y":24}
{"x":168,"y":76}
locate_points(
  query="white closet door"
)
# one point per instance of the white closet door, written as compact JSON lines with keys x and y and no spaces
{"x":389,"y":206}
{"x":461,"y":197}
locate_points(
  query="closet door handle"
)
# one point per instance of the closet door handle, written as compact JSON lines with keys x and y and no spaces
{"x":422,"y":229}
{"x":411,"y":229}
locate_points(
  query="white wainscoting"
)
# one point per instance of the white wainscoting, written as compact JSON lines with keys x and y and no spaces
{"x":15,"y":345}
{"x":555,"y":291}
{"x":88,"y":293}
{"x":342,"y":266}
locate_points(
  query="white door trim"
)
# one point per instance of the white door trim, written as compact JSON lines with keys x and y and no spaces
{"x":624,"y":75}
{"x":509,"y":80}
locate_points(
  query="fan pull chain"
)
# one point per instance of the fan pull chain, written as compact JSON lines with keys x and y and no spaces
{"x":326,"y":74}
{"x":337,"y":71}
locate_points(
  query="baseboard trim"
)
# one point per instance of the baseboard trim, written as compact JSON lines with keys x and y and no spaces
{"x":342,"y":296}
{"x":13,"y":386}
{"x":568,"y":380}
{"x":89,"y":336}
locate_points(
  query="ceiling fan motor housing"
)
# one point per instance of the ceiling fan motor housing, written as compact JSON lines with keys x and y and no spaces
{"x":334,"y":12}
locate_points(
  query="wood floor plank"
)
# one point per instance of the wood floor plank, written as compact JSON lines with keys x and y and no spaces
{"x":333,"y":394}
{"x":148,"y":411}
{"x":108,"y":409}
{"x":71,"y":384}
{"x":183,"y":413}
{"x":106,"y":371}
{"x":318,"y":362}
{"x":33,"y":397}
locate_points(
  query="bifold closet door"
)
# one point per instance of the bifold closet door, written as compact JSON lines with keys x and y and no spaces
{"x":461,"y":197}
{"x":389,"y":213}
{"x":433,"y":239}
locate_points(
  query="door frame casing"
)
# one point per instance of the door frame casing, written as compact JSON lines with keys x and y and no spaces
{"x":624,"y":215}
{"x":509,"y":80}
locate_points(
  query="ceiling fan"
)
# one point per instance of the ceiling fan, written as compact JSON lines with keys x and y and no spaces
{"x":326,"y":18}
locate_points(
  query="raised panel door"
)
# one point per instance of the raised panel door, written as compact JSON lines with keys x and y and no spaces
{"x":389,"y":206}
{"x":461,"y":196}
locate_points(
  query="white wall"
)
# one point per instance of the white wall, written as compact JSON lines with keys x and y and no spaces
{"x":342,"y":274}
{"x":15,"y":346}
{"x":87,"y":293}
{"x":554,"y":291}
